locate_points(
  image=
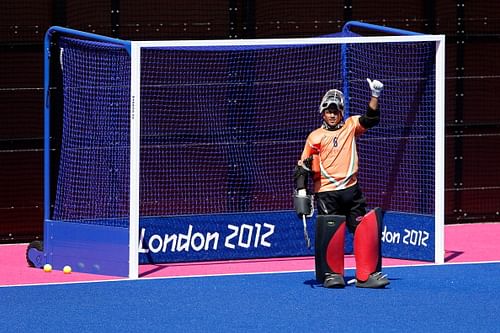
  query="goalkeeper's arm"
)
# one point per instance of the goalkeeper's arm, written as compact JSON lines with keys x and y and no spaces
{"x":301,"y":174}
{"x":303,"y":202}
{"x":372,"y":116}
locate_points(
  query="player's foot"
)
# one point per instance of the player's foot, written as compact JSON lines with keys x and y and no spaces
{"x":333,"y":280}
{"x":375,"y":280}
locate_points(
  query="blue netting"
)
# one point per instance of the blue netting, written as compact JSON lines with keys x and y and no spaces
{"x":397,"y":157}
{"x":222,"y":130}
{"x":93,"y":177}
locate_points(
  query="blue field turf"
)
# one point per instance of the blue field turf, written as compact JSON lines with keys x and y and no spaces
{"x":446,"y":298}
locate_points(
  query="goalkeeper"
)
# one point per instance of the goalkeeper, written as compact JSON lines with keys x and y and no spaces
{"x":330,"y":157}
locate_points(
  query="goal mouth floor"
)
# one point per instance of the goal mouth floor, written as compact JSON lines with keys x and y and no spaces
{"x":464,"y":243}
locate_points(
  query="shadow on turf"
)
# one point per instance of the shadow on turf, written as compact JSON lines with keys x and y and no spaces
{"x":450,"y":254}
{"x":313,"y":283}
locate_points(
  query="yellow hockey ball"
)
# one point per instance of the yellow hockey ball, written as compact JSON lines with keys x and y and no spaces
{"x":67,"y":269}
{"x":47,"y":268}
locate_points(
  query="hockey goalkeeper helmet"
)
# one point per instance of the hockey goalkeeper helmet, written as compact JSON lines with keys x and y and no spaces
{"x":333,"y":97}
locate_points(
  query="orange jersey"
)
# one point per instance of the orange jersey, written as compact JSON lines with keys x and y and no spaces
{"x":335,"y":163}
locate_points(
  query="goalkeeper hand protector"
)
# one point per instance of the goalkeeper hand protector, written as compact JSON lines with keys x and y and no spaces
{"x":376,"y":87}
{"x":303,"y":203}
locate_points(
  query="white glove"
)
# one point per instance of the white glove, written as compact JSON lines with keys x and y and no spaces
{"x":376,"y":86}
{"x":302,"y":192}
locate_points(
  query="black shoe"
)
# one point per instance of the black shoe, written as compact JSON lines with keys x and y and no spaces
{"x":375,"y":280}
{"x":333,"y":280}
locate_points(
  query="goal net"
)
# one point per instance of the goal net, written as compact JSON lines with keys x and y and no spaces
{"x":184,"y":151}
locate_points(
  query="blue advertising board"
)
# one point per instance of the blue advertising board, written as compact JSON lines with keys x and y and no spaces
{"x":267,"y":234}
{"x":102,"y":248}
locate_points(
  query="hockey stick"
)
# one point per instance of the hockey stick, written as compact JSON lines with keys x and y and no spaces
{"x":306,"y":235}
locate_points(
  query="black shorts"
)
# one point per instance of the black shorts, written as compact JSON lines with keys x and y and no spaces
{"x":349,"y":202}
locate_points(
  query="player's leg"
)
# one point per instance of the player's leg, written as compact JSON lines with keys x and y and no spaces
{"x":367,"y":237}
{"x":367,"y":251}
{"x":357,"y":206}
{"x":329,"y":241}
{"x":329,"y":250}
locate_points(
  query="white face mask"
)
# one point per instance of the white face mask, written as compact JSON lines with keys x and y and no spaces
{"x":332,"y":97}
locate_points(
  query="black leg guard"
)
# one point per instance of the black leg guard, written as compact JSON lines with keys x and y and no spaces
{"x":329,"y":245}
{"x":367,"y":249}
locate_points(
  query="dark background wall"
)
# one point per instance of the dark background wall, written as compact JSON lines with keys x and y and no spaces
{"x":472,"y":30}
